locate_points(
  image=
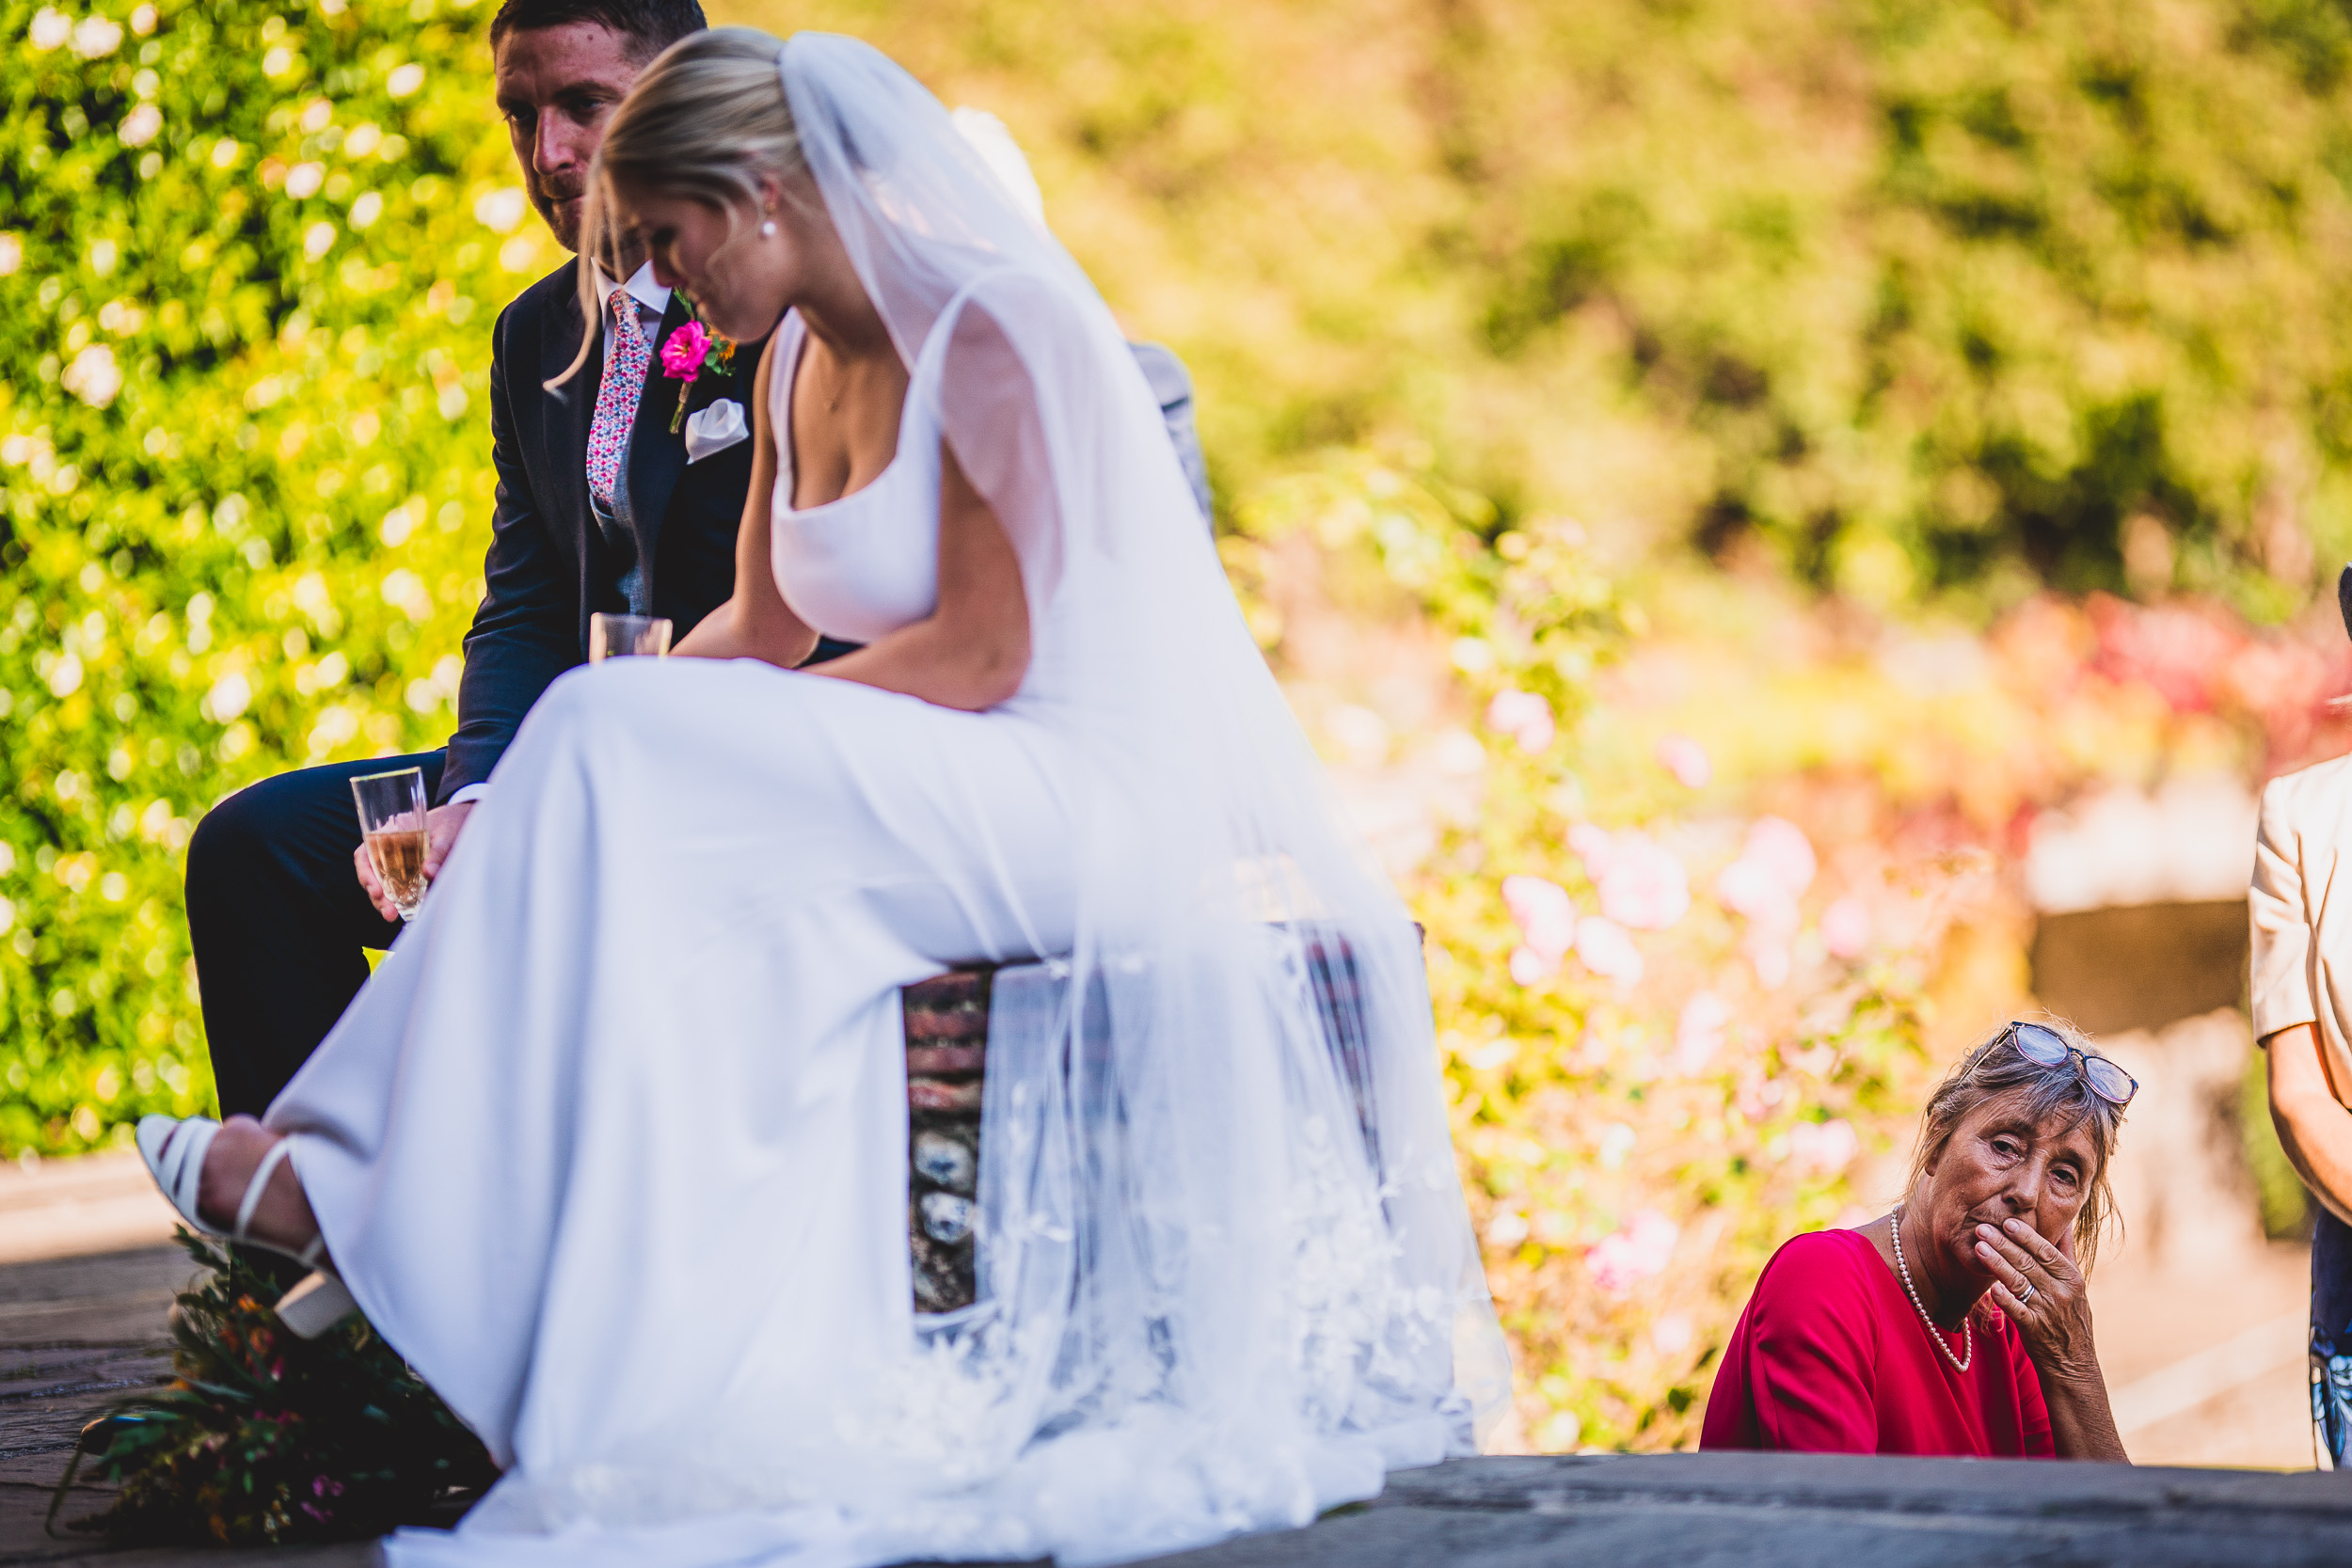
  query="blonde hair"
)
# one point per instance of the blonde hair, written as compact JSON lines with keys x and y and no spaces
{"x":706,"y":119}
{"x":1994,"y":1068}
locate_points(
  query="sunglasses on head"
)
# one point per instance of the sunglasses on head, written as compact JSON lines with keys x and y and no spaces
{"x":2047,"y":1048}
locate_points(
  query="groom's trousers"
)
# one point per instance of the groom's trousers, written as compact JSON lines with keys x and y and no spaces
{"x":280,"y":923}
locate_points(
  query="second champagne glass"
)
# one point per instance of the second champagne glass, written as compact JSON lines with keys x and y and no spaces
{"x":613,"y":636}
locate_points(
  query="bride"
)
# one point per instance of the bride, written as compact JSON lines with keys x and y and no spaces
{"x":613,"y":1147}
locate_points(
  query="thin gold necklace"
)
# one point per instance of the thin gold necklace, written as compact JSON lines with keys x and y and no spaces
{"x":1967,"y":1338}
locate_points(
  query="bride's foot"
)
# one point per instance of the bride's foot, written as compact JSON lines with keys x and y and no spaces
{"x":283,"y":1217}
{"x":207,"y":1172}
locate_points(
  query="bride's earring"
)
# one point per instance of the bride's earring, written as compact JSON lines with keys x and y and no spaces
{"x":768,"y":230}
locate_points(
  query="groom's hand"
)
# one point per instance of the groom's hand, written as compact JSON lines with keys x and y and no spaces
{"x":442,"y":824}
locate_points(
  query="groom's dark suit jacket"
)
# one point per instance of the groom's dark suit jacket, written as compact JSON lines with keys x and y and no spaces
{"x":550,"y":564}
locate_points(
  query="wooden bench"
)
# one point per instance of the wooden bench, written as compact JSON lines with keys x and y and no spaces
{"x":947,"y":1030}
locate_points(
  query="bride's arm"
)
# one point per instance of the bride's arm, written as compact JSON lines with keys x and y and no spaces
{"x":755,"y":623}
{"x":972,"y":651}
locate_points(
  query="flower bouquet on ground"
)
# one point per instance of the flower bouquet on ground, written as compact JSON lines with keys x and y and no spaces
{"x":265,"y":1440}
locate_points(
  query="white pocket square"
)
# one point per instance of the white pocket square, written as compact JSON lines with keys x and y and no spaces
{"x":714,"y":429}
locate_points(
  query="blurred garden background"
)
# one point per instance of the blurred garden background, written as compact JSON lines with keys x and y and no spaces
{"x":1800,"y":529}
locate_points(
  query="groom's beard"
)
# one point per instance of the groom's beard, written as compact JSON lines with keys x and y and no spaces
{"x":560,"y":205}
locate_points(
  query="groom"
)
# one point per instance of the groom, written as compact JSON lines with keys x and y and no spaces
{"x":281,"y":901}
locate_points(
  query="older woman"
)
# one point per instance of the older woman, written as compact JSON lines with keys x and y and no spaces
{"x":1958,"y":1323}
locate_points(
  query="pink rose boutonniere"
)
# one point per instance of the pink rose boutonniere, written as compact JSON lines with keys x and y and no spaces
{"x":683,"y":357}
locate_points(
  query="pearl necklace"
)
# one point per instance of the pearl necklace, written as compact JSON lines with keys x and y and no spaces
{"x":1967,"y":1338}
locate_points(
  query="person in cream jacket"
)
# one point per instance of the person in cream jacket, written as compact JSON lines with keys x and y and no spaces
{"x":2300,"y":905}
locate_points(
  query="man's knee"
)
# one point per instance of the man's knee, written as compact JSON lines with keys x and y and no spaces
{"x":239,"y":836}
{"x":225,"y":836}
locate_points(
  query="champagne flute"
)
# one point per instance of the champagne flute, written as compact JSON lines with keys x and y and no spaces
{"x":392,"y":823}
{"x":614,"y":636}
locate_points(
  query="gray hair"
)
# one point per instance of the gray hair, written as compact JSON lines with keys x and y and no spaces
{"x":1994,"y":1070}
{"x":706,"y":119}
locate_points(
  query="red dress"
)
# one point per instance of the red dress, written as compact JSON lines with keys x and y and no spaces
{"x":1831,"y":1357}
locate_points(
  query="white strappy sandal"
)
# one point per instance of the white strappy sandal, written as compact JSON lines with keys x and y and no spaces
{"x":177,"y":1164}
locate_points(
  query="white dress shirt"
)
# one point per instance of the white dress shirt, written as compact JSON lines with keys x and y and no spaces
{"x":653,"y":300}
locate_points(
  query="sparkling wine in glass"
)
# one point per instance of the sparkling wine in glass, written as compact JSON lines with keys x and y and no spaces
{"x":391,"y":821}
{"x":614,"y":636}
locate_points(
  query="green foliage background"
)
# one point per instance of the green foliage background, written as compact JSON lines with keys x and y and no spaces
{"x":1926,"y":299}
{"x":251,"y":266}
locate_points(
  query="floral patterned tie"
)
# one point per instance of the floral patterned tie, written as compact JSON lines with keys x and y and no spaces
{"x":626,"y":358}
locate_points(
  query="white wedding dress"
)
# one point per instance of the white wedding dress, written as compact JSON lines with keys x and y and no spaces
{"x":613,"y":1146}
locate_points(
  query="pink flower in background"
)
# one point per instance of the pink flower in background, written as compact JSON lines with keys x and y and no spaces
{"x":2180,"y":652}
{"x":1845,"y":928}
{"x":1606,"y":951}
{"x":1699,"y":1033}
{"x":1775,"y":867}
{"x":1672,"y":1334}
{"x":1779,"y":847}
{"x":1646,"y":887}
{"x":1523,"y":715}
{"x":1545,"y":917}
{"x":1641,"y":883}
{"x":683,"y":355}
{"x":1824,"y":1147}
{"x":1639,"y":1250}
{"x":1594,"y":846}
{"x":1687,"y":760}
{"x":1543,"y":911}
{"x":1746,"y":887}
{"x":1770,"y":957}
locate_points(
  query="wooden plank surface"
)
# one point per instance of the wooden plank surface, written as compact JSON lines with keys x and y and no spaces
{"x":94,"y":1203}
